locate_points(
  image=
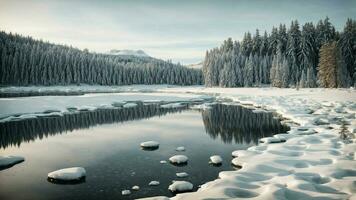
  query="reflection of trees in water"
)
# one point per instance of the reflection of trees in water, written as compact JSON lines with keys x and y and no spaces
{"x":239,"y":124}
{"x":16,"y":132}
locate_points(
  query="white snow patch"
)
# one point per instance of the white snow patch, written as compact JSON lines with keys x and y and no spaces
{"x":125,"y":192}
{"x":182,"y":174}
{"x":153,"y":183}
{"x":216,"y":159}
{"x":181,"y":148}
{"x":163,"y":162}
{"x":150,"y":144}
{"x":8,"y":161}
{"x":135,"y":187}
{"x":178,"y":159}
{"x":68,"y":174}
{"x":181,"y":186}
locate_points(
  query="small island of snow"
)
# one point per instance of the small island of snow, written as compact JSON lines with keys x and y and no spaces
{"x":153,"y":183}
{"x":178,"y":159}
{"x":181,"y":186}
{"x":9,"y":161}
{"x":182,"y":174}
{"x":67,"y":174}
{"x":216,"y":159}
{"x":150,"y":145}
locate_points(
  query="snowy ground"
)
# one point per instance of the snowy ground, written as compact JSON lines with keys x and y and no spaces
{"x":314,"y":162}
{"x":308,"y":165}
{"x":27,"y":107}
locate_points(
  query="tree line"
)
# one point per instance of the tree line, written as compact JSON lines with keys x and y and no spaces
{"x":26,"y":61}
{"x":311,"y":56}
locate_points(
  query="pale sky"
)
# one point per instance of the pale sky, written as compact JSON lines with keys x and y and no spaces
{"x":180,"y":30}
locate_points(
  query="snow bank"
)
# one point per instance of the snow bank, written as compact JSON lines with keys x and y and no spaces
{"x":180,"y":186}
{"x":216,"y":159}
{"x":67,"y":174}
{"x":312,"y":163}
{"x":9,"y":161}
{"x":178,"y":159}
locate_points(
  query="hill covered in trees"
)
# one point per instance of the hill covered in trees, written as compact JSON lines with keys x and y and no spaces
{"x":26,"y":61}
{"x":307,"y":56}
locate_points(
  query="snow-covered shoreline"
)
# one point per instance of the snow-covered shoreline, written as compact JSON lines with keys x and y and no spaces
{"x":314,"y":162}
{"x":308,"y":165}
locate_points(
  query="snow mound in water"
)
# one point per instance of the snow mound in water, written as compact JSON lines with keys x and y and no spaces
{"x":180,"y":148}
{"x":178,"y":159}
{"x":216,"y":159}
{"x":153,"y":183}
{"x":150,"y":144}
{"x":68,"y":174}
{"x":163,"y":162}
{"x":136,"y":187}
{"x":182,"y":174}
{"x":181,"y":186}
{"x":125,"y":192}
{"x":9,"y":161}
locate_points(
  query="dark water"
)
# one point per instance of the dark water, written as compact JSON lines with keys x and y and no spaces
{"x":106,"y":142}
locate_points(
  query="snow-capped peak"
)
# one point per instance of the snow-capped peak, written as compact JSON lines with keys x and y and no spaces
{"x":128,"y":52}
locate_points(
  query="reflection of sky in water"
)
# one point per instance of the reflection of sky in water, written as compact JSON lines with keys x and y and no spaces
{"x":113,"y":159}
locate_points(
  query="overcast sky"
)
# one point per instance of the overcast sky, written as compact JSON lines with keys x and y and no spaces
{"x":178,"y":30}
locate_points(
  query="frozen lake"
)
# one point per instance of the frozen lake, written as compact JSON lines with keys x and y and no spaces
{"x":106,"y":142}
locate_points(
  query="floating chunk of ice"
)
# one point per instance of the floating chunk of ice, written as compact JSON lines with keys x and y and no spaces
{"x":181,"y":186}
{"x":126,"y":192}
{"x":150,"y":144}
{"x":9,"y":161}
{"x":68,"y":174}
{"x":136,"y":187}
{"x":182,"y":174}
{"x":178,"y":159}
{"x":216,"y":159}
{"x":180,"y":148}
{"x":153,"y":183}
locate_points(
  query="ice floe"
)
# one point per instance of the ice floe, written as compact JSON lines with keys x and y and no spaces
{"x":125,"y":192}
{"x":180,"y":186}
{"x":153,"y":183}
{"x":181,"y":148}
{"x":182,"y":174}
{"x":216,"y":159}
{"x":67,"y":174}
{"x":150,"y":144}
{"x":9,"y":161}
{"x":178,"y":159}
{"x":135,"y":187}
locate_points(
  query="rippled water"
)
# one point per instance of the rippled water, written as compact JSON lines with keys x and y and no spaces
{"x":106,"y":142}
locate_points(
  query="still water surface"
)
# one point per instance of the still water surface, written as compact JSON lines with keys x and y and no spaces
{"x":106,"y":143}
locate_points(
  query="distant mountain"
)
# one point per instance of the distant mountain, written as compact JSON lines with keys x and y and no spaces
{"x":127,"y":52}
{"x":196,"y":65}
